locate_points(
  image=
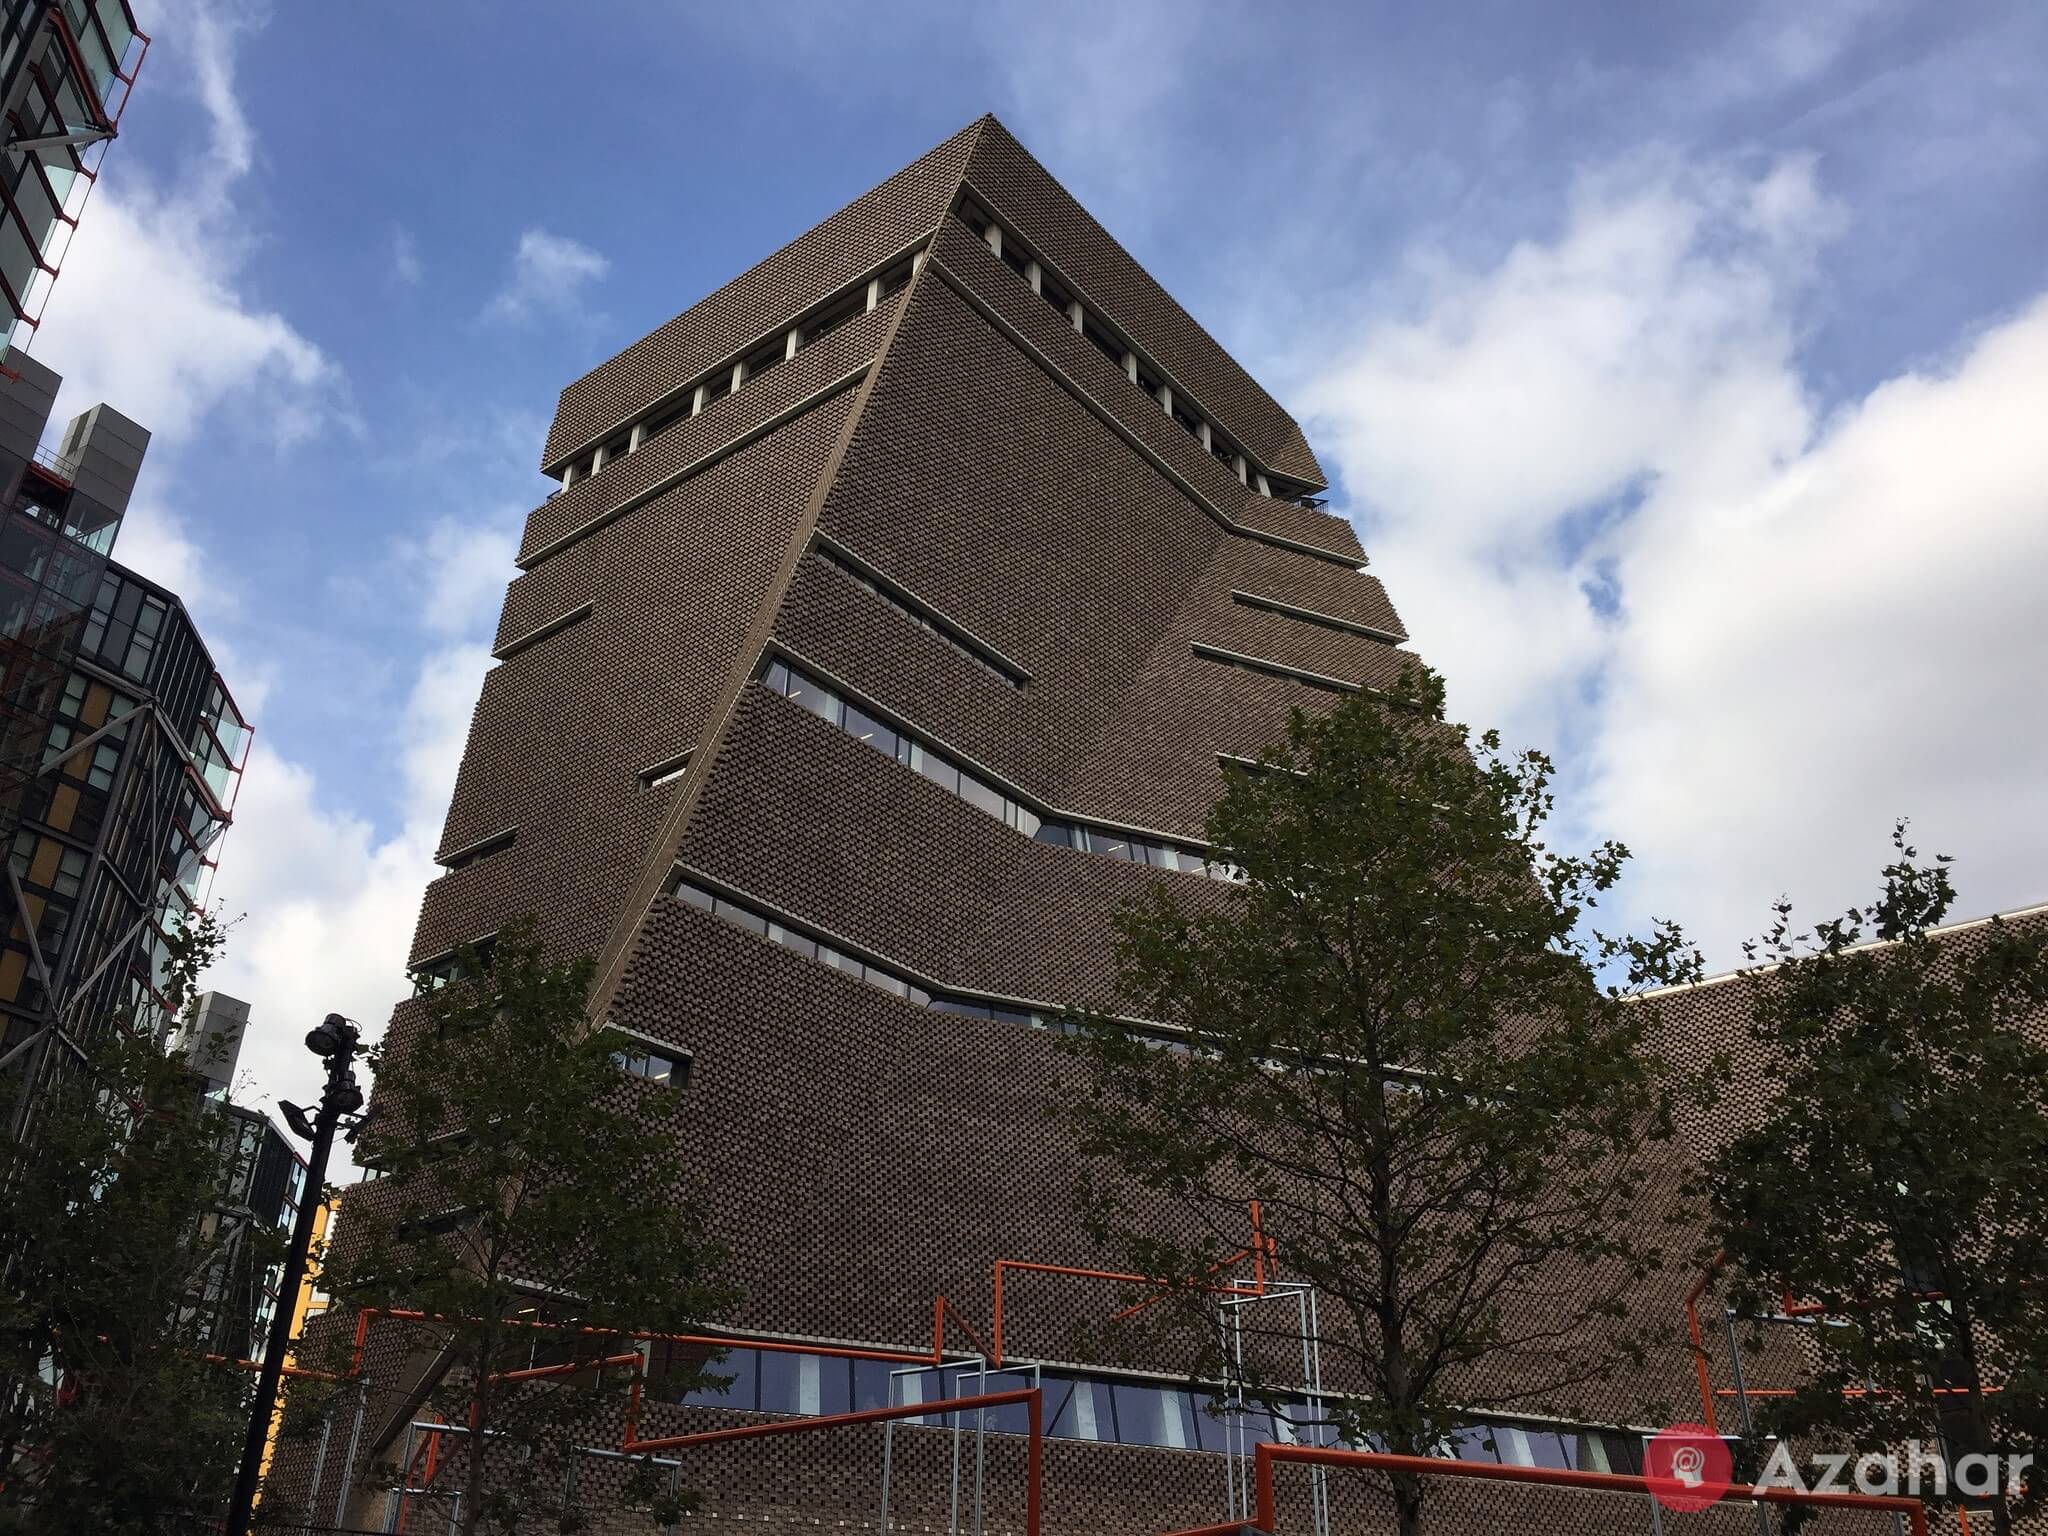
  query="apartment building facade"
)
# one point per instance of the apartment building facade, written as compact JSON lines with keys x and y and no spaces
{"x":121,"y":748}
{"x":900,"y":608}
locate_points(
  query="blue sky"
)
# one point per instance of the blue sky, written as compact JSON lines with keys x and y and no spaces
{"x":1685,"y":370}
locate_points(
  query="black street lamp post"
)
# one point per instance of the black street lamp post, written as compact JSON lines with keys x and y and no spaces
{"x":335,"y":1039}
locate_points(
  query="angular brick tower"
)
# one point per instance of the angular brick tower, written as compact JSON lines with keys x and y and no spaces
{"x":901,"y":604}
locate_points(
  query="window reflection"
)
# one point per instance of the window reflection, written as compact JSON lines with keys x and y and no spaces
{"x":781,"y":678}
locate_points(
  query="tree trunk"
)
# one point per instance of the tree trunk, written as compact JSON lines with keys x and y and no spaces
{"x":479,"y":1444}
{"x":1407,"y":1504}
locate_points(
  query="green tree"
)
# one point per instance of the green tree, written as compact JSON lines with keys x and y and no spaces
{"x":1895,"y":1175}
{"x":115,"y":1251}
{"x":1396,"y":1038}
{"x":533,"y":1209}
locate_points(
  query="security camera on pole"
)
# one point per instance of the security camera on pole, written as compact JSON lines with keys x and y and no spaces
{"x":334,"y":1038}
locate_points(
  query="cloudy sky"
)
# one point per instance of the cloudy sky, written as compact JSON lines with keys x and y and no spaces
{"x":1684,"y":368}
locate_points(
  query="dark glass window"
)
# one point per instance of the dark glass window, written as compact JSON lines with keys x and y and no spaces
{"x":897,"y":278}
{"x":657,"y":425}
{"x":696,"y":896}
{"x":1112,"y":845}
{"x":1473,"y":1442}
{"x":637,"y":1058}
{"x":1161,"y":1416}
{"x":866,"y":727}
{"x":776,"y":678}
{"x":1547,"y":1448}
{"x":939,"y":771}
{"x":762,"y":358}
{"x":752,"y":922}
{"x":744,"y":1367}
{"x":1057,"y":833}
{"x":871,"y":1384}
{"x":821,"y":702}
{"x":980,"y":796}
{"x":1624,"y":1453}
{"x":1078,"y":1409}
{"x":805,"y":1384}
{"x":960,"y":1005}
{"x":795,"y":941}
{"x":1102,"y":341}
{"x":824,"y":324}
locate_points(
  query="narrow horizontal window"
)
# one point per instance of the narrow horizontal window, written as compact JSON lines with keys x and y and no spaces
{"x":1280,"y":669}
{"x":929,"y":762}
{"x":637,"y":1056}
{"x":886,"y":978}
{"x":763,"y":358}
{"x":440,"y":1224}
{"x":833,"y":316}
{"x":667,"y":771}
{"x":540,"y":632}
{"x":1312,"y":616}
{"x":733,"y":375}
{"x":1012,"y":252}
{"x":919,"y":612}
{"x":478,"y":851}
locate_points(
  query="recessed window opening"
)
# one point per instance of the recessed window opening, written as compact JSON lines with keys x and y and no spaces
{"x":1311,"y":616}
{"x":821,"y":700}
{"x":924,"y":617}
{"x":895,"y":280}
{"x":762,"y":359}
{"x":1101,"y":340}
{"x":729,"y":378}
{"x":667,"y":771}
{"x":1278,"y":669}
{"x":1012,"y":253}
{"x":833,"y":316}
{"x":477,"y":852}
{"x":637,"y":1056}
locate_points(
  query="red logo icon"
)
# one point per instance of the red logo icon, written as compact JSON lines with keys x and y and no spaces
{"x":1687,"y":1467}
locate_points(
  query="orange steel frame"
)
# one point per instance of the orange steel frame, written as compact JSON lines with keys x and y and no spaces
{"x":1261,"y":1251}
{"x":1788,"y":1307}
{"x":1268,"y":1455}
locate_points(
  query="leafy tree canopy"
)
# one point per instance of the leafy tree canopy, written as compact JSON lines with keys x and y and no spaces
{"x":1895,"y":1173}
{"x":1395,"y":1033}
{"x":118,"y":1256}
{"x":532,"y":1208}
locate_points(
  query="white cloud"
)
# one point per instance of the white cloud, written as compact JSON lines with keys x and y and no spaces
{"x":147,"y":315}
{"x":330,"y":902}
{"x":405,"y":258}
{"x":1808,"y":626}
{"x":460,"y":570}
{"x":549,"y":272}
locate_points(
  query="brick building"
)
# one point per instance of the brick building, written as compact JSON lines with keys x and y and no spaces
{"x":900,"y":606}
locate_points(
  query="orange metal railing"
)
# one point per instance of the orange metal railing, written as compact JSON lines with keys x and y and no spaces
{"x":1266,"y":1457}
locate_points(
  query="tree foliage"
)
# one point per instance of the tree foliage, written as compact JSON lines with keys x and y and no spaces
{"x":1896,"y":1174}
{"x":533,"y":1210}
{"x":1396,"y":1038}
{"x":113,"y":1420}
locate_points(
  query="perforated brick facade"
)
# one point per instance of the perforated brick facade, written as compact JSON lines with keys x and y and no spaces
{"x":968,"y":521}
